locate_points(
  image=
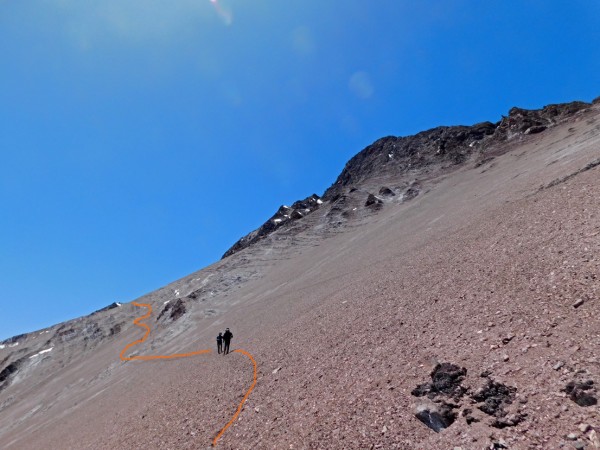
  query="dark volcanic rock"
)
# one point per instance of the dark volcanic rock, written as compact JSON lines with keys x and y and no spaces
{"x":386,"y":192}
{"x":9,"y":372}
{"x":494,"y":396}
{"x":446,"y":379}
{"x":436,"y":417}
{"x":411,"y":193}
{"x":373,"y":201}
{"x":108,"y":308}
{"x":582,"y":393}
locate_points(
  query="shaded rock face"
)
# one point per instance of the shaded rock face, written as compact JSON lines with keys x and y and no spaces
{"x":9,"y":372}
{"x":174,"y":309}
{"x":386,"y":192}
{"x":373,"y":201}
{"x":284,"y":215}
{"x":396,"y":155}
{"x":528,"y":121}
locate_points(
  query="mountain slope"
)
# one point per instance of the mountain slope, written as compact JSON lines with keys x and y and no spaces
{"x":473,"y":255}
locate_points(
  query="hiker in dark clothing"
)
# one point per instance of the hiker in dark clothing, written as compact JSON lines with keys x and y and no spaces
{"x":227,"y":338}
{"x":220,"y":343}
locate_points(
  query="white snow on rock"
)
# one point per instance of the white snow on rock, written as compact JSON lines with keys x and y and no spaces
{"x":42,"y":352}
{"x":177,"y":292}
{"x":166,"y":302}
{"x":13,"y":345}
{"x":2,"y":346}
{"x":277,"y":220}
{"x":118,"y":304}
{"x":319,"y":201}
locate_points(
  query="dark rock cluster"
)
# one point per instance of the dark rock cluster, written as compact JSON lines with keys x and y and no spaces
{"x":446,"y":393}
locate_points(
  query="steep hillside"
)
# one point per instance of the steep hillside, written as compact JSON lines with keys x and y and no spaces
{"x":442,"y":293}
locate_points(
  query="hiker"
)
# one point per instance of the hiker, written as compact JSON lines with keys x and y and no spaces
{"x":227,"y":338}
{"x":220,"y":343}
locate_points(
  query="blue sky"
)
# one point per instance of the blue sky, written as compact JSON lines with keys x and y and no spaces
{"x":139,"y":139}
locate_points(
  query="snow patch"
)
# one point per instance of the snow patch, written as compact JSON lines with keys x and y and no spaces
{"x":13,"y":345}
{"x":176,"y":292}
{"x":42,"y":352}
{"x":2,"y":346}
{"x":319,"y":202}
{"x":277,"y":220}
{"x":166,"y":302}
{"x":390,"y":155}
{"x":118,"y":304}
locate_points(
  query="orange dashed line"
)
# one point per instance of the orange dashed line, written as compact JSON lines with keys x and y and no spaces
{"x":239,"y":408}
{"x":182,"y":355}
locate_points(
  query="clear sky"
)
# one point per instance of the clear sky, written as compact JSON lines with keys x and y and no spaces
{"x":139,"y":139}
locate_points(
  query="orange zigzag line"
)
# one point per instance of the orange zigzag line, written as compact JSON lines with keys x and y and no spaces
{"x":138,"y":321}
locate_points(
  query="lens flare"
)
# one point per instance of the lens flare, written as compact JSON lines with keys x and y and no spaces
{"x":224,"y":13}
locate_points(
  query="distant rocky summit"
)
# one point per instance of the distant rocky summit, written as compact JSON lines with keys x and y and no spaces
{"x":423,"y":154}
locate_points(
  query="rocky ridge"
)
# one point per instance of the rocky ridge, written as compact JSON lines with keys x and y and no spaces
{"x":425,"y":155}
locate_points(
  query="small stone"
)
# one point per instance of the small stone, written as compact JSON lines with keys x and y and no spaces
{"x":578,"y":303}
{"x":594,"y":439}
{"x":505,"y":357}
{"x":558,"y":365}
{"x":579,"y":445}
{"x":384,"y":430}
{"x":508,"y":338}
{"x":584,"y":427}
{"x":276,"y":370}
{"x":572,"y":436}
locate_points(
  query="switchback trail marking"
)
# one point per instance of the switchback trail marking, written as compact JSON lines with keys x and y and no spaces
{"x":138,"y":321}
